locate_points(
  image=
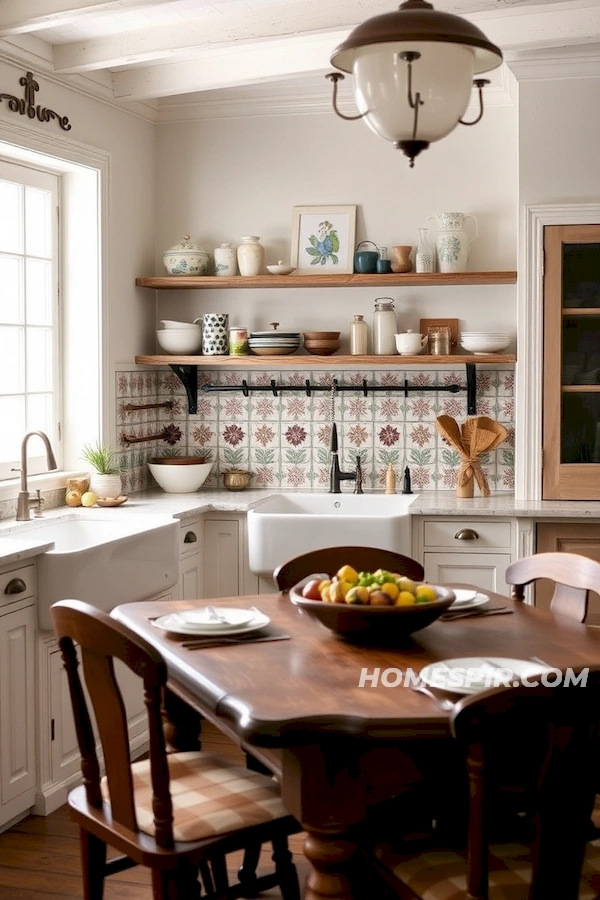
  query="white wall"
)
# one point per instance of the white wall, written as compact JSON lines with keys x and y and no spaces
{"x":220,"y":179}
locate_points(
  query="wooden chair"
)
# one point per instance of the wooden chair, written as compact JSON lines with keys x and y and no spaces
{"x":177,"y":813}
{"x":330,"y":559}
{"x":574,"y":577}
{"x":559,"y":735}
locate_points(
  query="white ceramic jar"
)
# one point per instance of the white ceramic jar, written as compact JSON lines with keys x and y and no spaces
{"x":225,"y":260}
{"x":186,"y":258}
{"x":251,"y":256}
{"x":384,"y":327}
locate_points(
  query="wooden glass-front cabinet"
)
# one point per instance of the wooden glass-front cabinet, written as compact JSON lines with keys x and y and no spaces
{"x":571,"y":413}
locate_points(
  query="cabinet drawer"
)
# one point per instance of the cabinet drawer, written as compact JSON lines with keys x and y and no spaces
{"x":17,"y":584}
{"x":477,"y":534}
{"x":189,"y":538}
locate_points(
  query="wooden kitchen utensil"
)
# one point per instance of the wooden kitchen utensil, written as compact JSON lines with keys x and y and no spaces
{"x":477,"y":435}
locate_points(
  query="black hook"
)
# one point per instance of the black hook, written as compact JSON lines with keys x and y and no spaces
{"x":307,"y":383}
{"x":405,"y":388}
{"x":273,"y":387}
{"x":244,"y":387}
{"x":365,"y":391}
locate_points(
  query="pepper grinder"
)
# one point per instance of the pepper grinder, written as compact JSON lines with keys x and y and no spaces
{"x":390,"y":480}
{"x":406,"y":489}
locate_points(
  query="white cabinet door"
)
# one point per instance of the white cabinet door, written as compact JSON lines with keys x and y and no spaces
{"x":191,"y":547}
{"x":484,"y":570}
{"x":17,"y":714}
{"x":64,"y":752}
{"x":222,"y":558}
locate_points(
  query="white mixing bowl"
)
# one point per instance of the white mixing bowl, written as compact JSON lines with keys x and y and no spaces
{"x":180,"y":340}
{"x":179,"y":475}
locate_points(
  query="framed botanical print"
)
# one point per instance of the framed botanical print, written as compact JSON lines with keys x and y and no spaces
{"x":323,"y":239}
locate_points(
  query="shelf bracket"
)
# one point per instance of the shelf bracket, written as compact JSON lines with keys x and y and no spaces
{"x":188,"y":375}
{"x":471,"y":389}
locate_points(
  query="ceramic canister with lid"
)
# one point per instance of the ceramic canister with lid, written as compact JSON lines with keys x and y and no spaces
{"x":250,"y":256}
{"x":384,"y":327}
{"x":215,"y":334}
{"x":225,"y":260}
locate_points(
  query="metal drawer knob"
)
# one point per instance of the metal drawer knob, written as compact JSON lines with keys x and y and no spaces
{"x":15,"y":586}
{"x":466,"y":534}
{"x":190,"y":538}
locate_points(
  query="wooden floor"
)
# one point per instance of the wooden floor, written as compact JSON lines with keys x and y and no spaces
{"x":39,"y":857}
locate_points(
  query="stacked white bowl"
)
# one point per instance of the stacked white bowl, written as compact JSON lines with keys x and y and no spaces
{"x":481,"y":342}
{"x":179,"y":337}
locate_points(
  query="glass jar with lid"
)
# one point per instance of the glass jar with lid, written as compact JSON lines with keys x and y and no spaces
{"x":384,"y":327}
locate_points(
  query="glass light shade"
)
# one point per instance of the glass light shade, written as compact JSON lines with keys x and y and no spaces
{"x":442,"y":75}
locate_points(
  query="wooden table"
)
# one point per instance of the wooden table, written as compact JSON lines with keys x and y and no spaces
{"x":298,"y":704}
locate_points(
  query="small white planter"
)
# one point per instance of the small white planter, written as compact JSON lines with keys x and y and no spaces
{"x":105,"y":485}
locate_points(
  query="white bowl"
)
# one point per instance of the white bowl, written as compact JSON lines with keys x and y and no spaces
{"x":180,"y":340}
{"x":484,"y":345}
{"x":280,"y":269}
{"x":178,"y":478}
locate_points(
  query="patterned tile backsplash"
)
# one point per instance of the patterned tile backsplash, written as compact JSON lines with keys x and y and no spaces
{"x":283,"y":438}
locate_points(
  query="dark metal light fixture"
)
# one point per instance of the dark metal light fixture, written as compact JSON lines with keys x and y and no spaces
{"x":414,"y":70}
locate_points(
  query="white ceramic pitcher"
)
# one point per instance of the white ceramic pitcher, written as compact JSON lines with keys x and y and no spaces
{"x":452,"y":241}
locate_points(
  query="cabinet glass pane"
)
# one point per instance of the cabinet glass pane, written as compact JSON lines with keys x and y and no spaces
{"x":581,"y":275}
{"x":581,"y":349}
{"x":580,"y":432}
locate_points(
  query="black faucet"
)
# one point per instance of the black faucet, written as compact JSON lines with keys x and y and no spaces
{"x":336,"y":476}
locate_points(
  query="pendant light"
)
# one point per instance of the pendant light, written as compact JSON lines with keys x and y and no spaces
{"x":413,"y":71}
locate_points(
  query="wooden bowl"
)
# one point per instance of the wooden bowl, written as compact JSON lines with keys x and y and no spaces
{"x":372,"y":624}
{"x":322,"y":347}
{"x":321,"y":335}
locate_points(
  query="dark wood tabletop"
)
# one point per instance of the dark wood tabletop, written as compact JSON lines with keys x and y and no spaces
{"x":287,"y":692}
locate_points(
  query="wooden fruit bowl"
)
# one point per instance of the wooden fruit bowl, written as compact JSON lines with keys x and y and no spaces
{"x":389,"y":625}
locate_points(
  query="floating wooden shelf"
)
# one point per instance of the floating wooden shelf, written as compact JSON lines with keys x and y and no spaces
{"x":410,"y":279}
{"x":302,"y":360}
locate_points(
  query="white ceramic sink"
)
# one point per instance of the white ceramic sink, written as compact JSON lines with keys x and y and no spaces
{"x":103,"y":559}
{"x":286,"y":525}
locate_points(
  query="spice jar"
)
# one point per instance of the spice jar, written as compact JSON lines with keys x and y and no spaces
{"x":359,"y":337}
{"x":384,"y":327}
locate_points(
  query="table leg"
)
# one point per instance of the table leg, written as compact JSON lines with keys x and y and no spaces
{"x":333,"y":859}
{"x":182,"y":724}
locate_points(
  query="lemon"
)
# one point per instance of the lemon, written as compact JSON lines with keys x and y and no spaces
{"x":426,"y":594}
{"x":88,"y":499}
{"x":405,"y":598}
{"x":73,"y":498}
{"x":390,"y":589}
{"x":406,"y":584}
{"x":347,"y":573}
{"x":357,"y":595}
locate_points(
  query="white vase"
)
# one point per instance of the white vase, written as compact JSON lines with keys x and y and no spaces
{"x":250,"y":256}
{"x":105,"y":485}
{"x":225,"y":260}
{"x":452,"y":241}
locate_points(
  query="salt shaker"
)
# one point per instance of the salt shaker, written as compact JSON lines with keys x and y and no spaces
{"x":384,"y":327}
{"x":359,"y":337}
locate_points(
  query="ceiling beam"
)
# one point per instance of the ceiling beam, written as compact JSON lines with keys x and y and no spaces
{"x":23,"y":16}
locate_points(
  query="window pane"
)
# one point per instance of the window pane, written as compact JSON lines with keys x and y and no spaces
{"x":11,"y":290}
{"x":39,"y":416}
{"x":12,"y":417}
{"x":12,"y":354}
{"x":38,"y":224}
{"x":39,"y":292}
{"x":11,"y":220}
{"x":39,"y":359}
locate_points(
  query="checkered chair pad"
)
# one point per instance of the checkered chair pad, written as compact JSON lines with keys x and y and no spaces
{"x":211,"y":796}
{"x":442,"y":875}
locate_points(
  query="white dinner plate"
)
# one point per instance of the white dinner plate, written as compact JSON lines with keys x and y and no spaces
{"x":471,"y":674}
{"x":468,"y":599}
{"x":232,"y":617}
{"x":173,"y":623}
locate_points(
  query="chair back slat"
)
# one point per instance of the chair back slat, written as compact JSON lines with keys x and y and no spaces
{"x":558,"y":725}
{"x":101,"y":640}
{"x":574,"y":576}
{"x":330,"y":559}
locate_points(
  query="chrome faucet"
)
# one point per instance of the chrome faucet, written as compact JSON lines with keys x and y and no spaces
{"x":24,"y":503}
{"x":336,"y":476}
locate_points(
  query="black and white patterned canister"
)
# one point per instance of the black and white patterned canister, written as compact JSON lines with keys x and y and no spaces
{"x":215,"y":334}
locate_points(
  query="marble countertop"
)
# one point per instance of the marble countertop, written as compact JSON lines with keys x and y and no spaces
{"x":18,"y":541}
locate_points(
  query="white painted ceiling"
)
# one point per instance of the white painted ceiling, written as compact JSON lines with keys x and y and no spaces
{"x":168,"y":52}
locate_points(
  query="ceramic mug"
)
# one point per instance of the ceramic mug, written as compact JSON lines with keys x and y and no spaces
{"x":408,"y":343}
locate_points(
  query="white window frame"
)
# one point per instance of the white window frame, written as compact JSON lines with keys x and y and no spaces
{"x":37,"y":178}
{"x":83,"y":279}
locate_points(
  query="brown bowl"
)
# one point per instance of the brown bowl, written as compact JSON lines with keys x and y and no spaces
{"x":323,"y":351}
{"x":177,"y":460}
{"x":236,"y":479}
{"x":321,"y":335}
{"x":372,"y":624}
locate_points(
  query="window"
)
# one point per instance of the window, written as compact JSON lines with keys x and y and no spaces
{"x":29,"y":319}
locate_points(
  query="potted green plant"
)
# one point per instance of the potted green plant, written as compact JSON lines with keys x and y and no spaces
{"x":105,"y":478}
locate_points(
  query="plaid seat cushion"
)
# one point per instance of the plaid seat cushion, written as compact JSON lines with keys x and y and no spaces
{"x":442,"y":875}
{"x":211,"y":796}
